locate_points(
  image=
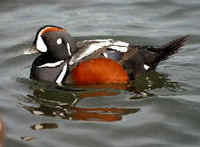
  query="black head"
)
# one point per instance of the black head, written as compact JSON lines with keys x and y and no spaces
{"x":55,"y":41}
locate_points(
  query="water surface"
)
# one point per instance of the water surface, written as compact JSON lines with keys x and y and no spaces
{"x":38,"y":113}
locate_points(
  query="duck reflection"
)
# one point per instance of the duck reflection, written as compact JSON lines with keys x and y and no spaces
{"x":53,"y":101}
{"x":44,"y":126}
{"x":62,"y":103}
{"x":154,"y":80}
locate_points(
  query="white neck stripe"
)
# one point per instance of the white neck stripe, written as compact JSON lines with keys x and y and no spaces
{"x":69,"y":49}
{"x":62,"y":75}
{"x":51,"y":64}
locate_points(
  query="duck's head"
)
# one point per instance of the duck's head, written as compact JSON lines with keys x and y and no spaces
{"x":55,"y":41}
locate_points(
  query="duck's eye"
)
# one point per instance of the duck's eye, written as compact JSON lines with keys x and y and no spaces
{"x":59,"y":41}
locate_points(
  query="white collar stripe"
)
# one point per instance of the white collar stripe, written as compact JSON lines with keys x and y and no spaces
{"x":62,"y":75}
{"x":69,"y":49}
{"x":51,"y":64}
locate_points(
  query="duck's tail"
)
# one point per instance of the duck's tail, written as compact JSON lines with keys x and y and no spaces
{"x":163,"y":52}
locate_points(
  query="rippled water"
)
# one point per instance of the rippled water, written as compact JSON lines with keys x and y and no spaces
{"x":39,"y":114}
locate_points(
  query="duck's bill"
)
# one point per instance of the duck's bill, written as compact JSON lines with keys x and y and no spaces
{"x":29,"y":51}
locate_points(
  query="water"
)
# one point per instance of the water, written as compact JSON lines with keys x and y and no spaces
{"x":40,"y":114}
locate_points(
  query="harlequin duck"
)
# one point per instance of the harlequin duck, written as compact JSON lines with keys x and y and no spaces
{"x":103,"y":61}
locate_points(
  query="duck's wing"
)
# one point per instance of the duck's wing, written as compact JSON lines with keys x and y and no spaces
{"x":134,"y":58}
{"x":107,"y":48}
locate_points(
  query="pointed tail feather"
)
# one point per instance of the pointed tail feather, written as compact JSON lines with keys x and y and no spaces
{"x":168,"y":49}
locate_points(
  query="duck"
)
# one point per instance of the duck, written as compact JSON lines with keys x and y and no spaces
{"x":64,"y":59}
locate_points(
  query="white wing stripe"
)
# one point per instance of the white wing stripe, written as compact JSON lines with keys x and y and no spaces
{"x":119,"y":48}
{"x":98,"y":44}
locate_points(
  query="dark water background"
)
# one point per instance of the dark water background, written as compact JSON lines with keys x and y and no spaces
{"x":102,"y":117}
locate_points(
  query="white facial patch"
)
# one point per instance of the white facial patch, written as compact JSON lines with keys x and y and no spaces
{"x":59,"y":41}
{"x":40,"y":45}
{"x":51,"y":64}
{"x":62,"y":75}
{"x":146,"y":67}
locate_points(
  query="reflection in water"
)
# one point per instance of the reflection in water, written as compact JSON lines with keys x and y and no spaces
{"x":61,"y":102}
{"x":154,"y":80}
{"x":43,"y":126}
{"x":27,"y":138}
{"x":87,"y":114}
